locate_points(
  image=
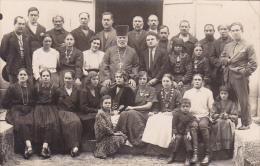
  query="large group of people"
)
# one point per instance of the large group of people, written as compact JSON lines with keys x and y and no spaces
{"x":135,"y":87}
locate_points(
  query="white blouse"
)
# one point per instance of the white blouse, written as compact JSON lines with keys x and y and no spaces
{"x":92,"y":60}
{"x":44,"y":60}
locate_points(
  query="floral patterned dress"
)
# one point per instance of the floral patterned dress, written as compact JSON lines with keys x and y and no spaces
{"x":107,"y":143}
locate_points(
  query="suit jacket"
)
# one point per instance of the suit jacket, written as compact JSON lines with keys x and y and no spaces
{"x":140,"y":44}
{"x":188,"y":44}
{"x":244,"y":56}
{"x":81,"y":40}
{"x":160,"y":65}
{"x":111,"y":40}
{"x":10,"y":53}
{"x":57,"y":37}
{"x":36,"y":39}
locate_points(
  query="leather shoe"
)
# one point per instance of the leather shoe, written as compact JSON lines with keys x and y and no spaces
{"x":244,"y":127}
{"x":187,"y":162}
{"x":194,"y":159}
{"x":171,"y":159}
{"x":205,"y":161}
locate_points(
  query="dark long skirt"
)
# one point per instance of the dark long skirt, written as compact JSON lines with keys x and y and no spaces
{"x":71,"y":128}
{"x":132,"y":123}
{"x":222,"y":135}
{"x":47,"y":124}
{"x":21,"y":117}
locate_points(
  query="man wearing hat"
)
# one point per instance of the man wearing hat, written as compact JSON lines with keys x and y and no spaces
{"x":154,"y":60}
{"x":118,"y":57}
{"x":108,"y":35}
{"x":15,"y":51}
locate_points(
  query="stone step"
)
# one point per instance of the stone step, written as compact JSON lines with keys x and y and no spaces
{"x":6,"y":142}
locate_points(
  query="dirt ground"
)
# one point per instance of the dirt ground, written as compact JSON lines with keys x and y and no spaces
{"x":87,"y":158}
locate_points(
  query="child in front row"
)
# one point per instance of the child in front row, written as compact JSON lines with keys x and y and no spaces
{"x":181,"y":122}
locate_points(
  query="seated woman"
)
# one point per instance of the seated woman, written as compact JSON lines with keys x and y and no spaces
{"x":46,"y":58}
{"x":132,"y":121}
{"x":122,"y":95}
{"x":68,"y":104}
{"x":46,"y":118}
{"x":19,"y":101}
{"x":201,"y":64}
{"x":224,"y":115}
{"x":158,"y":130}
{"x":108,"y":141}
{"x":90,"y":103}
{"x":71,"y":59}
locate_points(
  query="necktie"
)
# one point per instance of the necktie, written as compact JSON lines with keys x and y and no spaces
{"x":150,"y":58}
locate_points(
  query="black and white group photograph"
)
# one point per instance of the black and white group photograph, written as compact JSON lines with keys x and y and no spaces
{"x":129,"y":82}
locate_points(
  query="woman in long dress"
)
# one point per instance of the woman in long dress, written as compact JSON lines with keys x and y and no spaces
{"x":71,"y":59}
{"x":46,"y":117}
{"x":68,"y":103}
{"x":158,"y":130}
{"x":46,"y":58}
{"x":108,"y":141}
{"x":19,"y":101}
{"x":90,"y":103}
{"x":132,"y":121}
{"x":224,"y":114}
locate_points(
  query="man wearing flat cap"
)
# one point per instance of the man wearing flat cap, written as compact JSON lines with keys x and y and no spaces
{"x":118,"y":57}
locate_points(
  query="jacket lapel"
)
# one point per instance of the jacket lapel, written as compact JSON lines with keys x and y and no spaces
{"x":15,"y":41}
{"x":81,"y":33}
{"x":111,"y":36}
{"x":156,"y":55}
{"x":133,"y":37}
{"x":142,"y":36}
{"x":146,"y":58}
{"x":240,"y":46}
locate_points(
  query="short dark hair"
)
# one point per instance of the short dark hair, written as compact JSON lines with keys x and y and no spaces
{"x":198,"y":74}
{"x":164,"y":26}
{"x":71,"y":73}
{"x":170,"y":76}
{"x":225,"y":25}
{"x":185,"y":21}
{"x":141,"y":74}
{"x":108,"y":13}
{"x":45,"y":70}
{"x":185,"y":101}
{"x":123,"y":74}
{"x":95,"y":38}
{"x":58,"y":16}
{"x":23,"y":69}
{"x":104,"y":98}
{"x":46,"y":35}
{"x":153,"y":34}
{"x":83,"y":13}
{"x":209,"y":25}
{"x":16,"y":19}
{"x":69,"y":34}
{"x":33,"y":9}
{"x":198,"y":44}
{"x":237,"y":23}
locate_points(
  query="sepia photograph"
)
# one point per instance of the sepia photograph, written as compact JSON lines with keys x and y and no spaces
{"x":129,"y":82}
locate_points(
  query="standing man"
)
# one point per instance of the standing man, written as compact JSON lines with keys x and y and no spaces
{"x":201,"y":103}
{"x":136,"y":37}
{"x":163,"y":34}
{"x":208,"y":40}
{"x":214,"y":57}
{"x":15,"y":51}
{"x":58,"y":33}
{"x":239,"y":61}
{"x":153,"y":23}
{"x":108,"y":35}
{"x":118,"y":57}
{"x":154,"y":60}
{"x":82,"y":34}
{"x":188,"y":39}
{"x":33,"y":29}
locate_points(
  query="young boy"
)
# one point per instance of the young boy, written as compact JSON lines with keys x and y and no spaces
{"x":181,"y":122}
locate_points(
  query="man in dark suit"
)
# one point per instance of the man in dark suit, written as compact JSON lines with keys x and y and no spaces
{"x":239,"y":61}
{"x":33,"y":29}
{"x":108,"y":35}
{"x":188,"y":39}
{"x":15,"y":51}
{"x":154,"y":60}
{"x":58,"y":33}
{"x":82,"y":34}
{"x":136,"y":37}
{"x":216,"y":49}
{"x":163,"y":34}
{"x":208,"y":40}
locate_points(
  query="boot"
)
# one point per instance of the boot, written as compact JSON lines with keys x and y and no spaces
{"x":206,"y":160}
{"x":206,"y":141}
{"x":172,"y":157}
{"x":194,"y":134}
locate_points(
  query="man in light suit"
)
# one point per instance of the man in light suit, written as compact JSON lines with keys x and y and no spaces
{"x":108,"y":35}
{"x":82,"y":34}
{"x":136,"y":37}
{"x":15,"y":51}
{"x":154,"y":60}
{"x":33,"y":29}
{"x":239,"y":61}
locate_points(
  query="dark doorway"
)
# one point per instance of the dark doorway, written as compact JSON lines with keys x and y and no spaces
{"x":125,"y":10}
